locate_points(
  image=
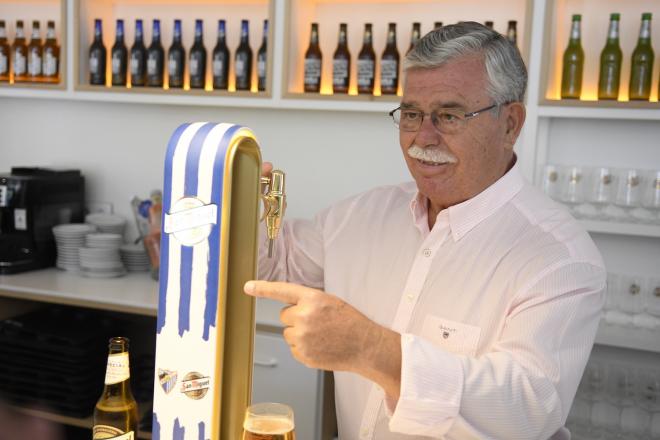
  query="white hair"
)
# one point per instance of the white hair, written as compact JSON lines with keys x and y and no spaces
{"x":505,"y":69}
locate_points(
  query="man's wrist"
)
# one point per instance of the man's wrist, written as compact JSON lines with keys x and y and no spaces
{"x":380,"y":360}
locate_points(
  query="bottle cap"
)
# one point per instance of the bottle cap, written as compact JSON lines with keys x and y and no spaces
{"x":577,"y":17}
{"x":615,"y":16}
{"x":646,"y":16}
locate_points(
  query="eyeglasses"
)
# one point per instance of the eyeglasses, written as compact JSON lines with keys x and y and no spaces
{"x":447,"y":121}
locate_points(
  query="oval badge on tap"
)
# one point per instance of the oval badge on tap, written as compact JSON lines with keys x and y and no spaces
{"x":190,"y":220}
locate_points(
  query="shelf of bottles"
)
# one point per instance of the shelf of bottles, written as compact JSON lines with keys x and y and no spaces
{"x":32,"y":34}
{"x":169,"y":47}
{"x":339,"y":49}
{"x":592,"y":45}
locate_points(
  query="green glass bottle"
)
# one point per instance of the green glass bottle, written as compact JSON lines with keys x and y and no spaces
{"x":641,"y":69}
{"x":571,"y":76}
{"x":610,"y":62}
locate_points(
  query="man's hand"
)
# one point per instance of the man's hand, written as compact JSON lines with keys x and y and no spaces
{"x":327,"y":333}
{"x":266,"y":169}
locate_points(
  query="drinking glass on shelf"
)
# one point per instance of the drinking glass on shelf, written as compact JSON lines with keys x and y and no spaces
{"x":573,"y":191}
{"x":551,"y":183}
{"x":603,"y":189}
{"x":652,"y":197}
{"x":629,"y":191}
{"x":652,"y":297}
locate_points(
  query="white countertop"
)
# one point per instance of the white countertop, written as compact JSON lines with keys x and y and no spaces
{"x":134,"y":293}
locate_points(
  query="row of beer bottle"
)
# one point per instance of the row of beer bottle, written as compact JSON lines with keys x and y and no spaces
{"x":366,"y":60}
{"x":34,"y":62}
{"x":148,"y":65}
{"x":641,"y":68}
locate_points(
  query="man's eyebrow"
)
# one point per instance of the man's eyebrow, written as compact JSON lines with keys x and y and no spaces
{"x":435,"y":105}
{"x":409,"y":105}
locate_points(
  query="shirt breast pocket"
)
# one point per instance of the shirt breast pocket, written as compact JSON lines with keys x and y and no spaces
{"x":455,"y":337}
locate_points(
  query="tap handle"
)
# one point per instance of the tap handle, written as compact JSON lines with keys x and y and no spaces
{"x":274,"y":198}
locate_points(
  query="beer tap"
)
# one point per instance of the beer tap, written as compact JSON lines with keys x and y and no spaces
{"x":274,"y":199}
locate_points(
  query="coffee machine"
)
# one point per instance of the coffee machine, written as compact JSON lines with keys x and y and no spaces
{"x":32,"y":201}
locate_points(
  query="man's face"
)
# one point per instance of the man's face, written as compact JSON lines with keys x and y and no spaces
{"x":466,"y":162}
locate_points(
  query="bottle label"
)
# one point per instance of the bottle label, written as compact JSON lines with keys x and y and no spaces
{"x":261,"y":68}
{"x":3,"y":33}
{"x":3,"y":64}
{"x":19,"y":63}
{"x":110,"y":432}
{"x":339,"y":72}
{"x":312,"y":71}
{"x":117,"y":369}
{"x":173,"y":67}
{"x":116,"y":65}
{"x":135,"y":65}
{"x":50,"y":65}
{"x":241,"y":66}
{"x":94,"y":64}
{"x":34,"y":64}
{"x":218,"y":66}
{"x":194,"y":66}
{"x":389,"y":73}
{"x":151,"y":65}
{"x":365,"y":71}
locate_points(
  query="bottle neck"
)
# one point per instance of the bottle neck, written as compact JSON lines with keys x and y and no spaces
{"x":177,"y":32}
{"x":36,"y":34}
{"x":645,"y":31}
{"x":245,"y":34}
{"x":155,"y":38}
{"x":414,"y":38}
{"x":20,"y":33}
{"x":50,"y":34}
{"x":221,"y":33}
{"x":342,"y":37}
{"x":139,"y":35}
{"x":98,"y":31}
{"x":367,"y":37}
{"x":199,"y":33}
{"x":391,"y":38}
{"x":613,"y":33}
{"x":3,"y":32}
{"x":575,"y":32}
{"x":120,"y":33}
{"x":264,"y":39}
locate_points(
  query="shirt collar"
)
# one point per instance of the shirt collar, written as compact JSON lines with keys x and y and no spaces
{"x":468,"y":214}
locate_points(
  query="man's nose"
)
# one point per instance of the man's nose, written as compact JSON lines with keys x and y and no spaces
{"x":427,"y":133}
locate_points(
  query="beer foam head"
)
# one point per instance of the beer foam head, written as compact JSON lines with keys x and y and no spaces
{"x":268,"y":425}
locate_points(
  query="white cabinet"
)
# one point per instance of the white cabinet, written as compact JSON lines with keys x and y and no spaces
{"x":278,"y":377}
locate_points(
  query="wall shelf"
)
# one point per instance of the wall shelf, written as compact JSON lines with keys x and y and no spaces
{"x":633,"y":229}
{"x":593,"y":111}
{"x":624,"y":337}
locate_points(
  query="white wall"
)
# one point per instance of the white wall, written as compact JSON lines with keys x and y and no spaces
{"x":120,"y":147}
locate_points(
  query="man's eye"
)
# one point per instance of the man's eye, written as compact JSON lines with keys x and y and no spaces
{"x":409,"y":116}
{"x":447,"y":117}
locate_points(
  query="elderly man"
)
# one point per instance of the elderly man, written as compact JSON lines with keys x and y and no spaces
{"x":463,"y":305}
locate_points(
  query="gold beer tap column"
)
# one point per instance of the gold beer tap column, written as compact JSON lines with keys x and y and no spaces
{"x":274,"y":199}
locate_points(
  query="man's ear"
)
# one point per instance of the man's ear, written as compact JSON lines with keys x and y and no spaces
{"x":514,"y":114}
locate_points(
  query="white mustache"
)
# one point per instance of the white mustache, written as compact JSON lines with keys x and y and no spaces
{"x":430,"y":154}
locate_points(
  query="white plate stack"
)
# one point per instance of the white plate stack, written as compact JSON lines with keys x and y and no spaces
{"x":100,"y":258}
{"x":68,"y":238}
{"x":134,"y":257}
{"x":110,"y":223}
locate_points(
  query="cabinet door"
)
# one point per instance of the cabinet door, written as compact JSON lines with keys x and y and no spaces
{"x":278,"y":377}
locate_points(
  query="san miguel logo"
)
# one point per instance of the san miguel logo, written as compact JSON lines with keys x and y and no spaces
{"x":195,"y":385}
{"x":167,"y":379}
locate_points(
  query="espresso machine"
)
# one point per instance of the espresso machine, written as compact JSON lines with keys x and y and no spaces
{"x":32,"y":201}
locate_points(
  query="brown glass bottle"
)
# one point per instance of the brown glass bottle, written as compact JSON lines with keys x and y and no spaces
{"x":19,"y":54}
{"x":490,"y":25}
{"x":415,"y":35}
{"x":313,"y":62}
{"x":51,"y":56}
{"x":5,"y":56}
{"x":341,"y":63}
{"x":512,"y":32}
{"x":35,"y":54}
{"x":437,"y":25}
{"x":389,"y":64}
{"x":366,"y":63}
{"x":116,"y":412}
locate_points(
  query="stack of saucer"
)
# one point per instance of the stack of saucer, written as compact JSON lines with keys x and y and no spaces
{"x":68,"y":238}
{"x":134,"y":257}
{"x":100,"y":258}
{"x":110,"y":223}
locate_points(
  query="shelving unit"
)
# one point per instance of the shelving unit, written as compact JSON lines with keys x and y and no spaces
{"x":42,"y":10}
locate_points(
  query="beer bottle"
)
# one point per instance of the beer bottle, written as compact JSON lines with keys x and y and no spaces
{"x":176,"y":59}
{"x":116,"y":412}
{"x":35,"y":54}
{"x":262,"y":58}
{"x":51,"y":56}
{"x":490,"y":25}
{"x":198,"y":58}
{"x":139,"y":57}
{"x":437,"y":25}
{"x":119,"y":57}
{"x":313,"y":62}
{"x":19,"y":54}
{"x":415,"y":35}
{"x":512,"y":32}
{"x":4,"y":53}
{"x":389,"y":64}
{"x":366,"y":63}
{"x":243,"y":59}
{"x":97,"y":56}
{"x":341,"y":63}
{"x":571,"y":78}
{"x":610,"y":63}
{"x":221,"y":59}
{"x":155,"y":58}
{"x":642,"y":63}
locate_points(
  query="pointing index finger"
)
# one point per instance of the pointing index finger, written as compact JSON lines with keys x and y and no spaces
{"x":284,"y":292}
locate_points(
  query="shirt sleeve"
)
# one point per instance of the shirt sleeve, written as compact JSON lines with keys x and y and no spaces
{"x":524,"y":386}
{"x":297,"y":253}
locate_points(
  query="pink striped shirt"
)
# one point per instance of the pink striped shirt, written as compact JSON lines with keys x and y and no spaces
{"x":497,"y":305}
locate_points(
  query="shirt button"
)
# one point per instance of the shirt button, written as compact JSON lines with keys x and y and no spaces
{"x":410,"y":297}
{"x":426,"y":252}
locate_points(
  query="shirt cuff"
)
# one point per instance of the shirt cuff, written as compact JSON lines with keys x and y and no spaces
{"x":431,"y":389}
